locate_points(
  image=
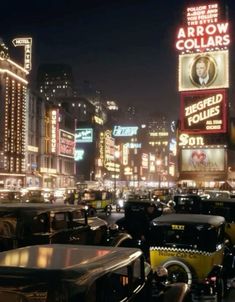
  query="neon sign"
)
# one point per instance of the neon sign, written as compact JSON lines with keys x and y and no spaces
{"x":53,"y":130}
{"x":204,"y":29}
{"x":203,"y":111}
{"x":84,"y":135}
{"x":27,"y":44}
{"x":125,"y":131}
{"x":186,"y":140}
{"x":79,"y":154}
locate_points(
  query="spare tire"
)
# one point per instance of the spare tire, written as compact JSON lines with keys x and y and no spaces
{"x":179,"y":271}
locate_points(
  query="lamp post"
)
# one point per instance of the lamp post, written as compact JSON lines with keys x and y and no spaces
{"x":91,"y":173}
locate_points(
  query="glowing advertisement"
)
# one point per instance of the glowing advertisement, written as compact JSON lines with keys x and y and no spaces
{"x":79,"y":154}
{"x":208,"y":70}
{"x":203,"y":160}
{"x":84,"y":135}
{"x":204,"y":111}
{"x":53,"y":130}
{"x":66,"y":144}
{"x":27,"y":44}
{"x":145,"y":161}
{"x":203,"y":30}
{"x":186,"y":140}
{"x":125,"y":131}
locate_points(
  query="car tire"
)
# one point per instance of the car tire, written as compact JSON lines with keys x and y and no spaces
{"x":187,"y":273}
{"x":221,"y":289}
{"x":118,"y":209}
{"x":108,"y":210}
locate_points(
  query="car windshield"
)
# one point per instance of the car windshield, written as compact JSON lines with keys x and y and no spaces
{"x":185,"y":236}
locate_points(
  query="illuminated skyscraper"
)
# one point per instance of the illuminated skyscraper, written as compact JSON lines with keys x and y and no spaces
{"x":13,"y":88}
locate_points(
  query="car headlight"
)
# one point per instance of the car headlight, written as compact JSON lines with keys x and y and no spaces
{"x":121,"y":202}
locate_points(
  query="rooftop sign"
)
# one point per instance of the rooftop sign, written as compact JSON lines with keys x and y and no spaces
{"x":203,"y":30}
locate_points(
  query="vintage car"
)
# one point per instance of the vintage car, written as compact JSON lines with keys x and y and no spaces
{"x":68,"y":273}
{"x":137,"y":216}
{"x":224,"y":207}
{"x":41,"y":223}
{"x":193,"y":249}
{"x":8,"y":196}
{"x":187,"y":203}
{"x":97,"y":201}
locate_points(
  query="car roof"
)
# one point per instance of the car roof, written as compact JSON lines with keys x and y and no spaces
{"x":82,"y":262}
{"x":219,"y":199}
{"x":37,"y":207}
{"x":141,"y":201}
{"x":189,"y":219}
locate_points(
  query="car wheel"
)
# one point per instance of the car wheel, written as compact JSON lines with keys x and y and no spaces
{"x":220,"y":289}
{"x":108,"y":210}
{"x":178,"y":271}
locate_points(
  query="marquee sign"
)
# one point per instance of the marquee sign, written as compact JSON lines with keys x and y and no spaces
{"x":213,"y":64}
{"x":204,"y":111}
{"x":204,"y":29}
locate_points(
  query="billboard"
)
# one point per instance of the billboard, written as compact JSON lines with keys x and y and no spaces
{"x":203,"y":160}
{"x":204,"y":111}
{"x":66,"y":144}
{"x":203,"y":29}
{"x":84,"y":135}
{"x":208,"y":70}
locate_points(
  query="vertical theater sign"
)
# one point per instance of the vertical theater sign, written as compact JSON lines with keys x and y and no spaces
{"x":203,"y":80}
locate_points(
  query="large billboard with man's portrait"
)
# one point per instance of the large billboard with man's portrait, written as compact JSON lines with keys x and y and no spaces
{"x":208,"y":70}
{"x":203,"y":160}
{"x":204,"y":111}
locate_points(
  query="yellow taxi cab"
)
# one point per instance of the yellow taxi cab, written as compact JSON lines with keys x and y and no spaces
{"x":192,"y":247}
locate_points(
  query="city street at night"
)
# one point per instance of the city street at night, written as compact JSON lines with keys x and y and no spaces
{"x":117,"y":151}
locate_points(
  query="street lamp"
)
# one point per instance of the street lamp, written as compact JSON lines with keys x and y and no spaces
{"x":91,"y":173}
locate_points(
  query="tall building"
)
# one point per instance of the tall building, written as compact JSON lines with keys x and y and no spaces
{"x":13,"y":89}
{"x":55,"y":81}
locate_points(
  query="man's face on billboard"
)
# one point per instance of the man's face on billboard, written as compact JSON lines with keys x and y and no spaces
{"x":201,"y":69}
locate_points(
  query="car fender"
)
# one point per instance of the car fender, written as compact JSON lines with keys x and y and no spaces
{"x":119,"y":239}
{"x":176,"y":292}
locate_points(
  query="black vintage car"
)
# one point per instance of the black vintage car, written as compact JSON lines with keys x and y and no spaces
{"x":187,"y":203}
{"x":31,"y":224}
{"x":68,"y":273}
{"x":137,"y":216}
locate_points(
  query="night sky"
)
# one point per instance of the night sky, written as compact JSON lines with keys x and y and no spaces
{"x":124,"y":48}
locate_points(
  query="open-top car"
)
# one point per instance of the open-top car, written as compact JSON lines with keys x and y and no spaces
{"x":193,"y":249}
{"x":68,"y":273}
{"x":42,"y":223}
